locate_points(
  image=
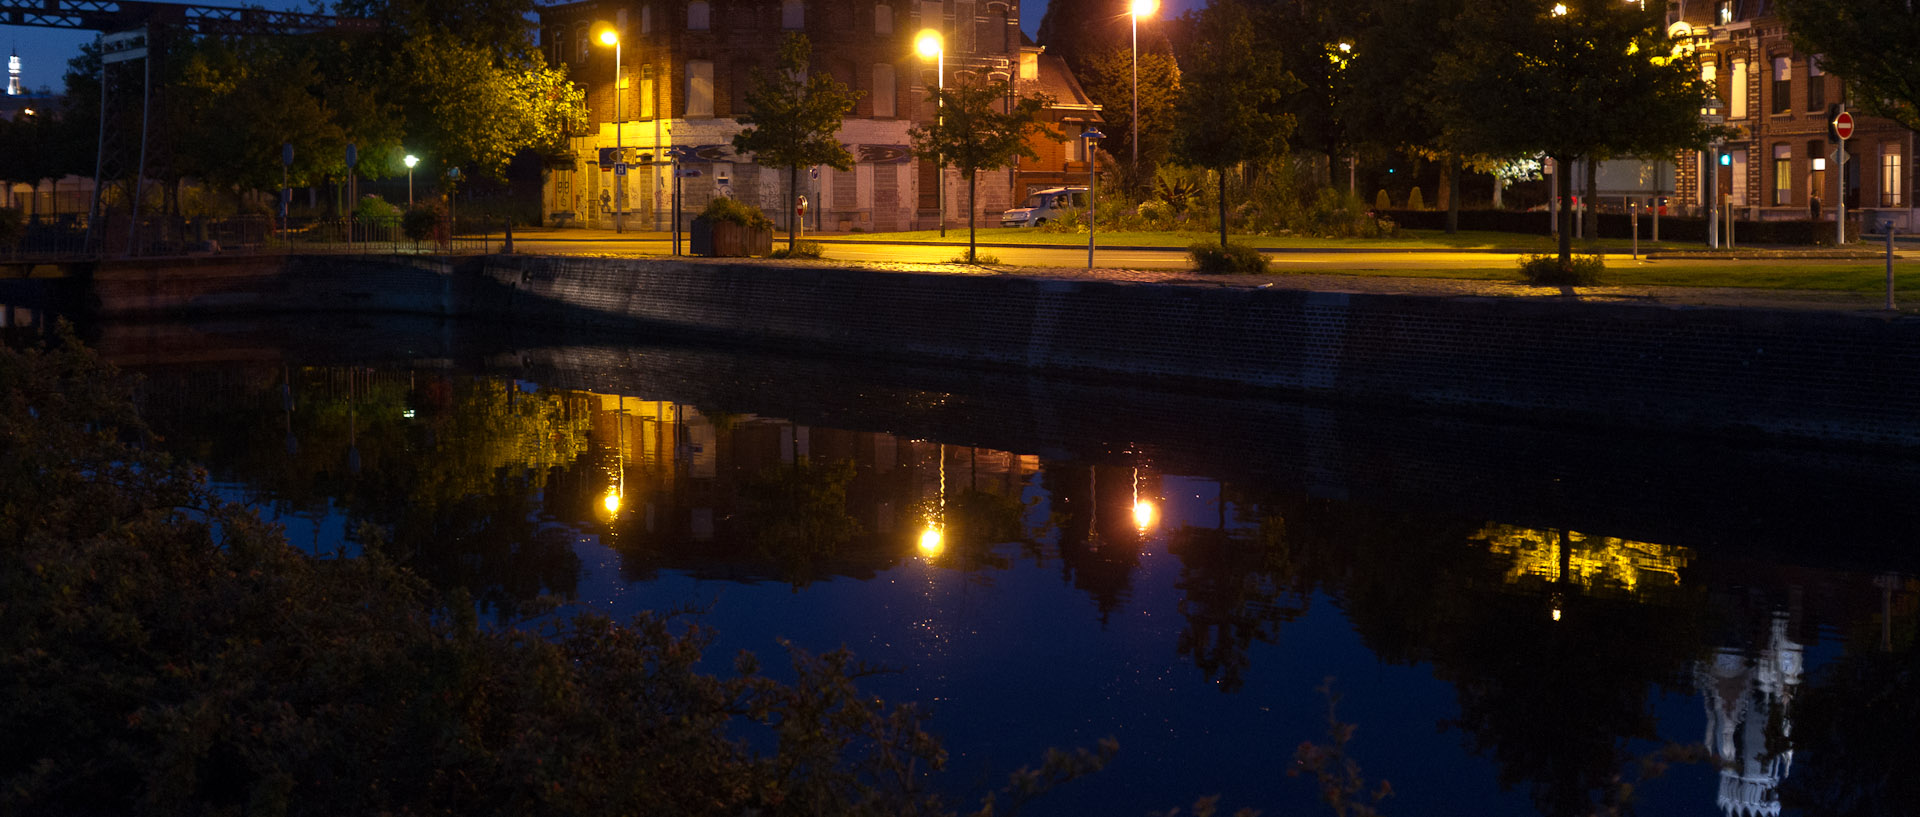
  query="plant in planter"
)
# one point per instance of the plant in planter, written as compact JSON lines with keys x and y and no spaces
{"x":729,"y":227}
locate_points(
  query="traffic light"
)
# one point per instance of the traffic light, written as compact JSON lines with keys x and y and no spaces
{"x":1726,"y":160}
{"x":1833,"y":112}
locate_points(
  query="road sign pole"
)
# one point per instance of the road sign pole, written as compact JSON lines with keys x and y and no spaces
{"x":1842,"y":131}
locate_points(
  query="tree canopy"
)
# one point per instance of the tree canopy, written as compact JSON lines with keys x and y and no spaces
{"x":793,"y":118}
{"x":1868,"y":43}
{"x":1233,"y":106}
{"x":979,"y":129}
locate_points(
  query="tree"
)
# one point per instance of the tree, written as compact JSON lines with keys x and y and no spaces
{"x":1602,"y":79}
{"x":1869,"y":43}
{"x":972,"y":135}
{"x":1108,"y":80}
{"x":792,"y":119}
{"x":1232,"y":108}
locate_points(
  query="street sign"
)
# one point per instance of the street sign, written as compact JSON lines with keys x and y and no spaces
{"x":286,"y":154}
{"x":353,"y":155}
{"x":1843,"y":125}
{"x":620,"y":169}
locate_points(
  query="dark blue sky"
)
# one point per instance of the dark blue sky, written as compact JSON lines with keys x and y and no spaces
{"x":45,"y":51}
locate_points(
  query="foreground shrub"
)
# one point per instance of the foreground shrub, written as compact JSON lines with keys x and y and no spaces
{"x":423,"y":221}
{"x":372,"y":209}
{"x":1233,"y":258}
{"x":1546,"y":270}
{"x":165,"y":652}
{"x":800,"y":249}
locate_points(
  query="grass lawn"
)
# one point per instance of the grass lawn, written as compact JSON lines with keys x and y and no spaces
{"x":1844,"y":276}
{"x":1406,"y":240}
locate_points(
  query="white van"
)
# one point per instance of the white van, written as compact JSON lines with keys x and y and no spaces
{"x":1044,"y":206}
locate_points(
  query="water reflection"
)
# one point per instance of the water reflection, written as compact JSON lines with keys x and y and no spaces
{"x":1559,"y":648}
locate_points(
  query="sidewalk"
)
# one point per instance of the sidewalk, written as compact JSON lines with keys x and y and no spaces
{"x":1676,"y":297}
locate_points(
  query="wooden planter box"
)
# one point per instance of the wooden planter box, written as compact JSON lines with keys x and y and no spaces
{"x":726,"y":239}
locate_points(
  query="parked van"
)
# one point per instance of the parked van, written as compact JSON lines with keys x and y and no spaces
{"x":1045,"y":206}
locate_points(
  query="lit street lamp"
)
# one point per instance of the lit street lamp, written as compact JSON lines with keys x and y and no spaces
{"x":610,"y":37}
{"x":1141,"y":8}
{"x":929,"y":44}
{"x":411,"y":160}
{"x":1092,"y":135}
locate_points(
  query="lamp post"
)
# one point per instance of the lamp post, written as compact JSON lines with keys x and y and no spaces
{"x":930,"y":46}
{"x":411,"y":160}
{"x":1092,"y":135}
{"x":1141,"y":8}
{"x":610,"y":37}
{"x":1710,"y":171}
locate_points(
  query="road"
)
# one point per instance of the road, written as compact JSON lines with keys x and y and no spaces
{"x":1169,"y":258}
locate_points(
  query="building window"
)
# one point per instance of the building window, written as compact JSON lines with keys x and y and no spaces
{"x":586,"y":46}
{"x":1816,"y":170}
{"x":1737,"y":95}
{"x":646,"y":92}
{"x":883,"y":19}
{"x":1723,"y":13}
{"x":699,"y":88}
{"x":1710,"y":74}
{"x":1816,"y":85}
{"x":1076,"y":147}
{"x":1891,"y":194}
{"x":793,"y":14}
{"x":646,"y":19}
{"x":1782,"y":174}
{"x":1782,"y":84}
{"x":883,"y":90}
{"x":697,"y":15}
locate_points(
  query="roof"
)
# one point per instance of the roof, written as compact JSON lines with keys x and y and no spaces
{"x":1057,"y":81}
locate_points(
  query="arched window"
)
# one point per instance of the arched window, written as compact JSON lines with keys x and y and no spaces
{"x":697,"y":15}
{"x":793,"y":14}
{"x":882,"y":19}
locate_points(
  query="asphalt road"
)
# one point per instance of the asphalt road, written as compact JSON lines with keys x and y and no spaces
{"x":1168,"y":258}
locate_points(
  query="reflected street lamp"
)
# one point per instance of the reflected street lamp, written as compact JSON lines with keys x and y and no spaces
{"x":930,"y":46}
{"x":1092,"y":135}
{"x":1141,"y":8}
{"x":411,"y":160}
{"x":610,"y":37}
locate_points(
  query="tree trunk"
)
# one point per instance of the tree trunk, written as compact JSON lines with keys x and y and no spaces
{"x":793,"y":205}
{"x":1223,"y":209}
{"x":1499,"y":185}
{"x":1453,"y":194}
{"x":972,"y":188}
{"x":1563,"y":182}
{"x":1591,"y":213}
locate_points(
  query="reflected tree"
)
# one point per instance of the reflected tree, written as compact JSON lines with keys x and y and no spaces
{"x":1856,"y":723}
{"x":1235,"y":590}
{"x":797,"y":516}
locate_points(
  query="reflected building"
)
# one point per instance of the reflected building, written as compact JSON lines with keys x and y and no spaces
{"x":1749,"y":696}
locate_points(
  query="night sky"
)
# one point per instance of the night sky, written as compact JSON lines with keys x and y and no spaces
{"x":44,"y":51}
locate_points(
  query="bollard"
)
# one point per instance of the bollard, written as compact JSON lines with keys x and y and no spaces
{"x":1889,"y":228}
{"x":506,"y":244}
{"x":1633,"y":216}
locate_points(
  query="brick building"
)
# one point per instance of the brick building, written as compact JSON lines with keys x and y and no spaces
{"x":1071,"y":112}
{"x":686,"y":75}
{"x":1777,"y":99}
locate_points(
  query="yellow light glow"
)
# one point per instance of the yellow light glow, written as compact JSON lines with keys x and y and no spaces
{"x":1559,"y":9}
{"x":1143,"y":515}
{"x":1556,"y":614}
{"x":411,"y":160}
{"x":609,"y":37}
{"x":928,"y":43}
{"x":932,"y":541}
{"x":1346,"y":48}
{"x":1594,"y":563}
{"x":612,"y":502}
{"x":1145,"y":8}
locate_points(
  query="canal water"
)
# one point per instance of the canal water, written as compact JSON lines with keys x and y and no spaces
{"x":1487,"y":616}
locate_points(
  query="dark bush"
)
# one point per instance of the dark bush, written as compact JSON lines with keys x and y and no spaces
{"x":422,"y":221}
{"x":734,"y":211}
{"x":1232,"y":258}
{"x":1547,"y":271}
{"x":800,"y":249}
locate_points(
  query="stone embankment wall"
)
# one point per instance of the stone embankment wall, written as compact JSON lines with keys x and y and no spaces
{"x":1830,"y":376}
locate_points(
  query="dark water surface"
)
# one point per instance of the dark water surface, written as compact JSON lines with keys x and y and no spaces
{"x":1515,"y":618}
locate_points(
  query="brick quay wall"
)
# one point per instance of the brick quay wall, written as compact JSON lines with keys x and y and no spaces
{"x":1827,"y":376}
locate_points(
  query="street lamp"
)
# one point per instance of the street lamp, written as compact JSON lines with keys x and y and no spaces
{"x":1141,"y":8}
{"x":411,"y":160}
{"x":610,"y":37}
{"x":1092,"y":135}
{"x":1710,"y":170}
{"x":930,"y":46}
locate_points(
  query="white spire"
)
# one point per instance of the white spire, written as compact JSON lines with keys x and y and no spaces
{"x":13,"y":74}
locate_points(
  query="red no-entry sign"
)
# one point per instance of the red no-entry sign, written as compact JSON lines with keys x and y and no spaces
{"x":1843,"y":125}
